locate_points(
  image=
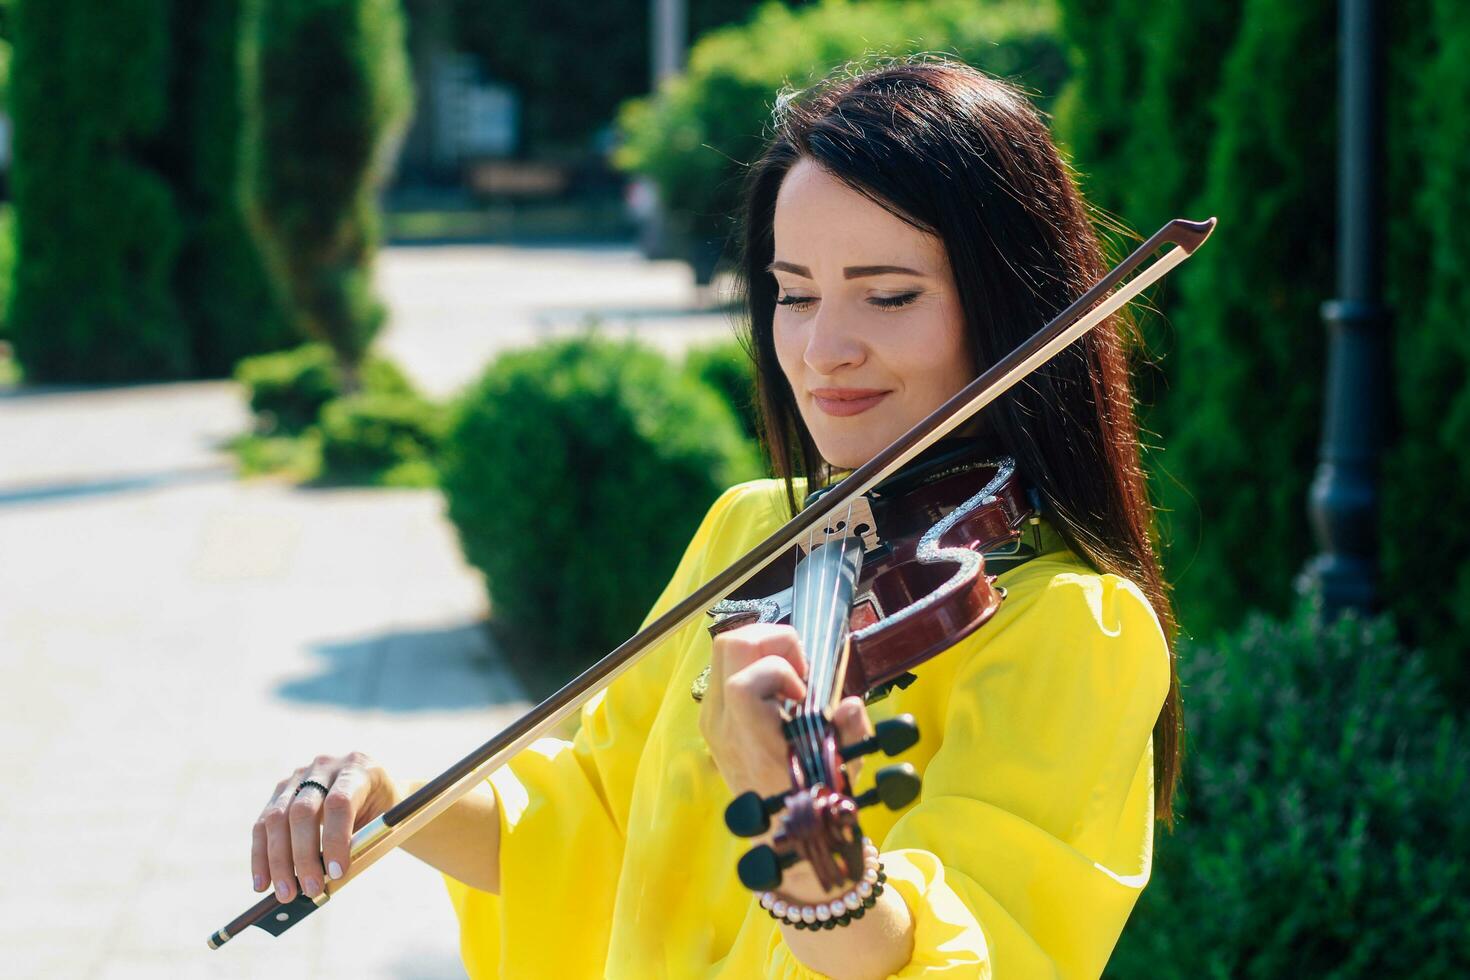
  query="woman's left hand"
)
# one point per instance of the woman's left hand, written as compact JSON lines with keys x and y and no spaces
{"x":753,"y":669}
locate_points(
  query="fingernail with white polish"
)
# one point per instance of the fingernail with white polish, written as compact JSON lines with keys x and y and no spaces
{"x":311,"y":887}
{"x":281,"y":890}
{"x":258,"y":881}
{"x":335,"y":870}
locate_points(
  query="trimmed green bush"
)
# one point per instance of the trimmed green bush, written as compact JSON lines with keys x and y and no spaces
{"x":693,"y":137}
{"x":729,"y":370}
{"x":576,"y":473}
{"x":1323,"y":830}
{"x":99,"y":228}
{"x":334,"y":95}
{"x":287,"y":391}
{"x":381,"y":437}
{"x":135,"y":259}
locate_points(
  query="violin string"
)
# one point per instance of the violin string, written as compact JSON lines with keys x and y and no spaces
{"x":804,"y":728}
{"x":814,"y":692}
{"x":830,"y":619}
{"x":803,"y":721}
{"x":814,"y":624}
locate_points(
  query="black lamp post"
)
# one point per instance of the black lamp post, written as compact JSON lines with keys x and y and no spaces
{"x":1344,"y":495}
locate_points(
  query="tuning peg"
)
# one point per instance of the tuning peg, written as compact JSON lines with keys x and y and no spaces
{"x":760,"y":868}
{"x":893,"y":735}
{"x":750,"y":816}
{"x":896,"y":788}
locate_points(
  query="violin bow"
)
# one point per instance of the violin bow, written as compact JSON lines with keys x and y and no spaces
{"x":390,"y":829}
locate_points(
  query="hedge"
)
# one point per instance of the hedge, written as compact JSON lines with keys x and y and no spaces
{"x":381,"y":437}
{"x":1235,"y":115}
{"x":729,"y":369}
{"x":287,"y":391}
{"x":576,"y":473}
{"x":1322,"y":830}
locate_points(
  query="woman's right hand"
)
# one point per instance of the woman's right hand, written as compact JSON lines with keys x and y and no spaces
{"x":298,"y":832}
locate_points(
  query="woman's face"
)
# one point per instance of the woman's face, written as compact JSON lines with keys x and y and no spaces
{"x":868,"y":327}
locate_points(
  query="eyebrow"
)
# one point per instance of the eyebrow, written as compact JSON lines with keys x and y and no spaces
{"x":851,"y":272}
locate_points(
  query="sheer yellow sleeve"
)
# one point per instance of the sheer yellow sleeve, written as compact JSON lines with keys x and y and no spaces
{"x":1033,"y":836}
{"x":564,"y":805}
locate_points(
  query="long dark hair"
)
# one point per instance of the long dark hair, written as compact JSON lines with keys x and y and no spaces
{"x":965,"y":157}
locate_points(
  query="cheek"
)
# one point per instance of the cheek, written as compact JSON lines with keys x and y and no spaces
{"x":937,"y":356}
{"x":788,"y":352}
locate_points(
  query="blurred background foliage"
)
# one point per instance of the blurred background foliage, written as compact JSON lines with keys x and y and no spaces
{"x":335,"y":93}
{"x":212,"y":206}
{"x":1230,"y":110}
{"x":631,"y":449}
{"x":693,"y":136}
{"x":573,"y":78}
{"x":212,"y":193}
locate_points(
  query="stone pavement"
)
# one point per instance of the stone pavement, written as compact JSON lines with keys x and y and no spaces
{"x":477,"y":300}
{"x":173,"y":641}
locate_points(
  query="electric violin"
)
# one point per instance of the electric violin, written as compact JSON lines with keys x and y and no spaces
{"x":905,"y":573}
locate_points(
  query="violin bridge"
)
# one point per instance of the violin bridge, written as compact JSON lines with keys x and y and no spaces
{"x":855,"y":519}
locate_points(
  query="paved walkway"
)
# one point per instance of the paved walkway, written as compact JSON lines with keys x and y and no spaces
{"x":172,"y":641}
{"x":475,"y":301}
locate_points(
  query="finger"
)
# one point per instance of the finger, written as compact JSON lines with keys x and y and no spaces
{"x":341,"y":807}
{"x":853,"y":725}
{"x":752,"y":708}
{"x":305,"y":815}
{"x":260,"y":871}
{"x":851,"y":720}
{"x":766,"y":680}
{"x":277,"y":830}
{"x":744,"y":646}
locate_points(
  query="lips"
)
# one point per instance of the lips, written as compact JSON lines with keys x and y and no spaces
{"x":843,"y":402}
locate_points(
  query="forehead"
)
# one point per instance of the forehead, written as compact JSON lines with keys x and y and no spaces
{"x":822,"y":223}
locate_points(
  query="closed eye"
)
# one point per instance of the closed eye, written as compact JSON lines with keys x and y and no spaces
{"x":799,"y":303}
{"x":894,"y":302}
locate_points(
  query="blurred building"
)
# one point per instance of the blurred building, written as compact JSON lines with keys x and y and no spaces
{"x":461,"y":120}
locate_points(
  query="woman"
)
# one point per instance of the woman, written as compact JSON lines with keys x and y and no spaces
{"x":904,"y":228}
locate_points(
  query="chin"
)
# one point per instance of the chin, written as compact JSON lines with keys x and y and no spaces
{"x":847,"y":454}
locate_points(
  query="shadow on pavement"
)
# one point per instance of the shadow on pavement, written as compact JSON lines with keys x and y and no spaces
{"x":454,"y":668}
{"x":45,"y":493}
{"x":41,"y":391}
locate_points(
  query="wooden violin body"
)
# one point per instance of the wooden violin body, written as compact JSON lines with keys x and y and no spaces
{"x":925,"y":584}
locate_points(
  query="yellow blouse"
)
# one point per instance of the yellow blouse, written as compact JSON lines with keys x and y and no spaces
{"x":1022,"y":857}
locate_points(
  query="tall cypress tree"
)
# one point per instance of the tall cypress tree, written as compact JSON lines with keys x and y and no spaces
{"x":1426,"y":474}
{"x":224,"y":292}
{"x":99,"y":227}
{"x":335,"y":92}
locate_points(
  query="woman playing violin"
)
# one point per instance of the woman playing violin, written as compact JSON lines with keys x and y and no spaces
{"x":904,"y":228}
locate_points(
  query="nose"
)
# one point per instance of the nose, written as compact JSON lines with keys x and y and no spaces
{"x":832,"y":345}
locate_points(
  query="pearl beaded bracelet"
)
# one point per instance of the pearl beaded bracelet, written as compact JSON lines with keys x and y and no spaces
{"x":839,"y":912}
